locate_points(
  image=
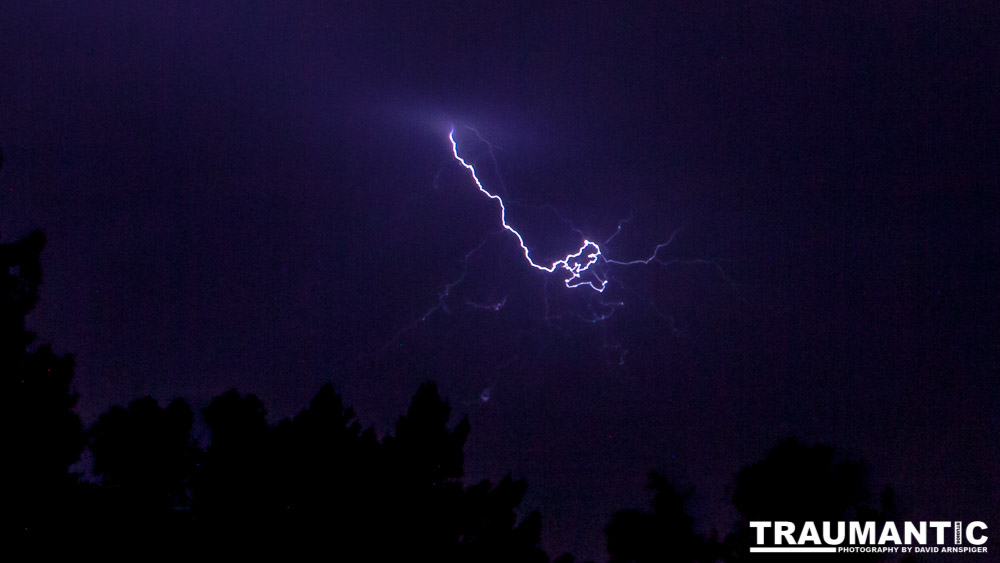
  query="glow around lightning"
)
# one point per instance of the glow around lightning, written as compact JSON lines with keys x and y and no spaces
{"x":576,"y":264}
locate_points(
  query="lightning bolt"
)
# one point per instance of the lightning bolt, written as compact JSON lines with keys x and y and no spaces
{"x":577,"y":263}
{"x":587,"y":265}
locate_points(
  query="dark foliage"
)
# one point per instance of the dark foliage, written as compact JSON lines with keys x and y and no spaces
{"x":315,"y":483}
{"x":318,"y":483}
{"x":665,"y":534}
{"x":47,"y":436}
{"x":798,"y":483}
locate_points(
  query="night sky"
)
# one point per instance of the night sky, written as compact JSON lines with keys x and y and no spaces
{"x":263,"y":196}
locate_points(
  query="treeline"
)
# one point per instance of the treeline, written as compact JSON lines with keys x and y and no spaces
{"x":315,"y":483}
{"x":318,"y":483}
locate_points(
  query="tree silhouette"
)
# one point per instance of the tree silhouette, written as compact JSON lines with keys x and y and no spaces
{"x":793,"y":483}
{"x":315,"y":481}
{"x":490,"y":531}
{"x":323,"y":472}
{"x":423,"y":465}
{"x":431,"y":514}
{"x":666,"y":534}
{"x":798,"y":483}
{"x":430,"y":453}
{"x":227,"y":485}
{"x":144,"y":456}
{"x":47,"y":435}
{"x":145,"y":453}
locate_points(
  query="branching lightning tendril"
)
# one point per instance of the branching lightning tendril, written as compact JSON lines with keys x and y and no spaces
{"x":576,"y":264}
{"x":587,"y":264}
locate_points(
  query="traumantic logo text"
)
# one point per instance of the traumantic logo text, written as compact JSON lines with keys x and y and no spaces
{"x":870,"y":537}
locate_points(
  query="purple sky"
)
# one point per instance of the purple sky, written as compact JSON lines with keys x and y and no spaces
{"x":262,"y":196}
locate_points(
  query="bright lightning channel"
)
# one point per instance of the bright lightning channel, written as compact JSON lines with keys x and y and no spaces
{"x":588,"y":260}
{"x":571,"y":263}
{"x":577,"y":263}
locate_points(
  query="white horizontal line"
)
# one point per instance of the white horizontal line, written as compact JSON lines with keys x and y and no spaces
{"x":793,"y":550}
